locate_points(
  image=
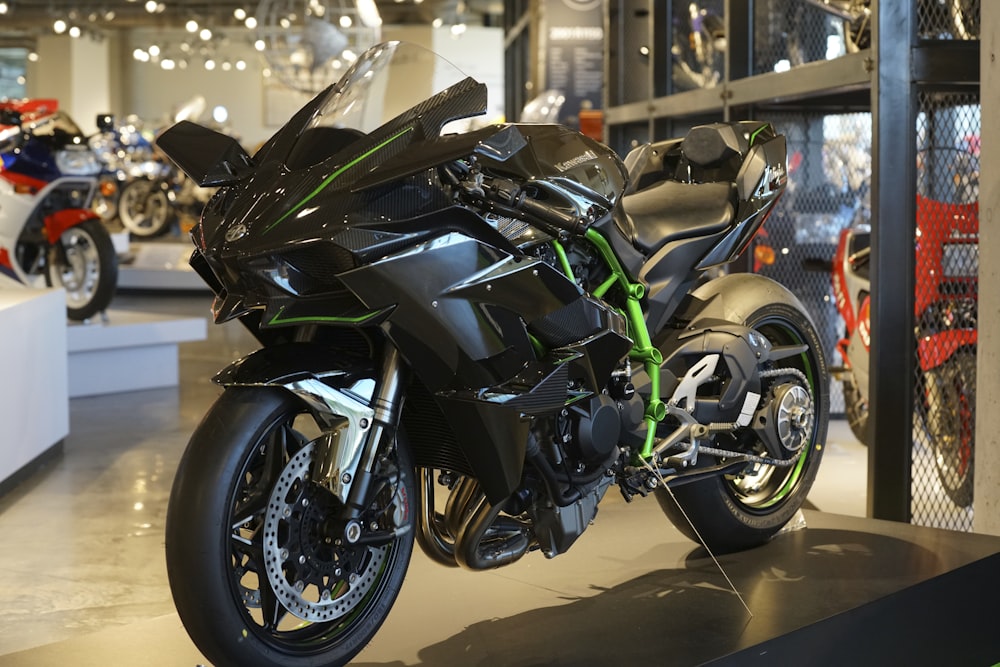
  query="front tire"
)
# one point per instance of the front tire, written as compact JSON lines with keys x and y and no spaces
{"x":951,"y":425}
{"x":144,"y":209}
{"x":856,"y":412}
{"x":301,"y":597}
{"x":735,"y":512}
{"x":84,"y":264}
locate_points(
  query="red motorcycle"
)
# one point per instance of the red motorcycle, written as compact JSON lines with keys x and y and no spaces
{"x":946,"y":330}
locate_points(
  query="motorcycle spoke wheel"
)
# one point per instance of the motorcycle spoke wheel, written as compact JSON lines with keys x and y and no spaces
{"x":284,"y":577}
{"x":86,"y":267}
{"x":144,"y":209}
{"x":952,"y":427}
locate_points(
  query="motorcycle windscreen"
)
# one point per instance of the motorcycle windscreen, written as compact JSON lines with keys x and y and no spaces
{"x":391,"y":86}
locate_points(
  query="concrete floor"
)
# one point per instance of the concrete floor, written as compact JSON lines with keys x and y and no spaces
{"x":82,"y":567}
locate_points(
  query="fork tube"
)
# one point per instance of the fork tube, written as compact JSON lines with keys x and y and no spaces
{"x":385,"y":403}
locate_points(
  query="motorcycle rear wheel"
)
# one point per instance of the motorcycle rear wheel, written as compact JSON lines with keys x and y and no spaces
{"x":234,"y":589}
{"x":86,"y":267}
{"x":736,"y":512}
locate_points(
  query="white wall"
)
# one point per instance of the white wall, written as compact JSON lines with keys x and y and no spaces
{"x":155,"y":94}
{"x":257,"y":109}
{"x":77,"y":73}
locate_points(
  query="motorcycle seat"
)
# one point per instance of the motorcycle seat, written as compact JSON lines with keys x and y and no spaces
{"x":672,"y":210}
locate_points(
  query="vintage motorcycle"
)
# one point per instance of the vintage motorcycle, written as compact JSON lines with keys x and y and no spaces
{"x":945,"y":313}
{"x":850,"y":275}
{"x":467,"y":338}
{"x":49,"y":234}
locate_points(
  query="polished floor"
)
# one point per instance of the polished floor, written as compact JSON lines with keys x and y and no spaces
{"x":82,"y":564}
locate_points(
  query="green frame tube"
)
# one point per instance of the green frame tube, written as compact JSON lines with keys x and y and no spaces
{"x":642,"y":345}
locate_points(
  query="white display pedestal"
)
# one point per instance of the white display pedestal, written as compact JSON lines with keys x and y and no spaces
{"x":130,"y":351}
{"x":34,"y":406}
{"x":159,"y":265}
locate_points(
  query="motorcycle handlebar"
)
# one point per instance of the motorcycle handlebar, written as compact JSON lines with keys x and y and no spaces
{"x":509,"y":194}
{"x":549,"y":214}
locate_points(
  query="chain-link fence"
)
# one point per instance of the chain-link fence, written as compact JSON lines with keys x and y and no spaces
{"x":948,"y":19}
{"x":945,"y":308}
{"x":789,"y":33}
{"x":829,"y":165}
{"x":697,"y":44}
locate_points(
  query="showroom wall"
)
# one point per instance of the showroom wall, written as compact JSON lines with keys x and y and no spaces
{"x":77,"y":72}
{"x":91,"y":77}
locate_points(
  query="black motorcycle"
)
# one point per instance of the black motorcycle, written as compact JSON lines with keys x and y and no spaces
{"x":467,"y":338}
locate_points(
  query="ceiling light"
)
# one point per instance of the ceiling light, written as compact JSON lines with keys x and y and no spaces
{"x":259,"y":45}
{"x":241,"y":65}
{"x":167,"y":64}
{"x":250,"y":23}
{"x":154,"y":50}
{"x":74,"y":32}
{"x":240,"y":13}
{"x":4,"y":8}
{"x":345,"y":21}
{"x":33,"y":57}
{"x":59,"y":26}
{"x":151,"y":6}
{"x":210,"y":64}
{"x":205,"y":34}
{"x":191,"y":26}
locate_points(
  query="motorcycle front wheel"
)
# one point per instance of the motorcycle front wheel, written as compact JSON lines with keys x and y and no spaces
{"x":259,"y":566}
{"x":739,"y":511}
{"x":144,"y":209}
{"x":856,"y":412}
{"x":84,"y":263}
{"x":951,"y":424}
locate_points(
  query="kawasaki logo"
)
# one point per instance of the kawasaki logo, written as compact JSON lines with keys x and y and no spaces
{"x":577,"y":161}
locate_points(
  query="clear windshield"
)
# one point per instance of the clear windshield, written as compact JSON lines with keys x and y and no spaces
{"x":383,"y":82}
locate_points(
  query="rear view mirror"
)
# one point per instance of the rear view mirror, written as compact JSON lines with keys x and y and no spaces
{"x":210,"y":158}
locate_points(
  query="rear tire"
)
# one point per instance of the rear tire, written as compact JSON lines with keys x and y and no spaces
{"x":234,"y":589}
{"x":735,"y":512}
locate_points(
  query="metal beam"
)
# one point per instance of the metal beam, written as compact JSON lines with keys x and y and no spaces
{"x":891,"y":387}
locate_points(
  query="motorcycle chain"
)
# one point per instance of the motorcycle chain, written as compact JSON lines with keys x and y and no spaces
{"x":753,"y":458}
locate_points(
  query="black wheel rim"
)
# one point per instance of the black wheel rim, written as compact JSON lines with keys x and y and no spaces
{"x":267,"y":616}
{"x":767,"y":487}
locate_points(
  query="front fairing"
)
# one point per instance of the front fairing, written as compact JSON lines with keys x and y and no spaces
{"x":301,"y":188}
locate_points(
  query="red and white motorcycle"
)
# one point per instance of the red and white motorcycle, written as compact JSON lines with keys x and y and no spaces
{"x":49,"y":235}
{"x":945,"y":317}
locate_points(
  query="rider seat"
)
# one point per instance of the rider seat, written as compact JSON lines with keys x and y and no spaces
{"x":670,"y":211}
{"x":682,"y":188}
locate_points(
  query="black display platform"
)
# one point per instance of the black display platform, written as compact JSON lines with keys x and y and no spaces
{"x":838,"y":591}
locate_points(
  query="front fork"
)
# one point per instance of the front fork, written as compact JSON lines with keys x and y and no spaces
{"x":347,"y":451}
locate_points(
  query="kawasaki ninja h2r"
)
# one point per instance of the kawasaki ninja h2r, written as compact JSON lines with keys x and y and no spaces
{"x":467,"y":338}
